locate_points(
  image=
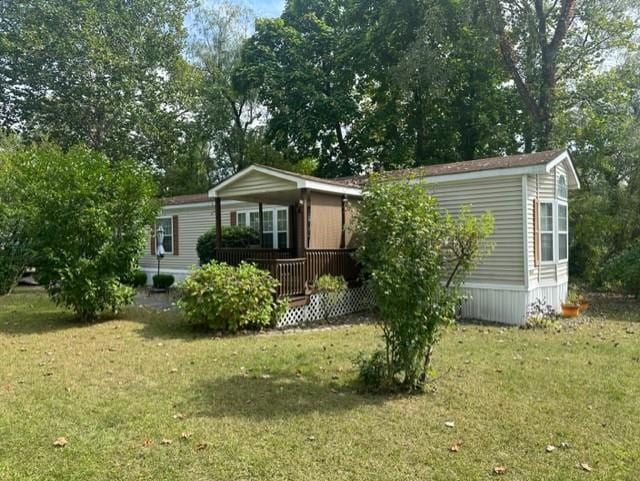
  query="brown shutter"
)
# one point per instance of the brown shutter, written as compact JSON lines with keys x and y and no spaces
{"x":536,"y":236}
{"x":232,"y":217}
{"x":175,"y":236}
{"x":152,"y":237}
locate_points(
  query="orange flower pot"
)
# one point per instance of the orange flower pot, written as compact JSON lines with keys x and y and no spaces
{"x":570,"y":310}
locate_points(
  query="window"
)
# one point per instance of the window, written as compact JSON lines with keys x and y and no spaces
{"x":563,"y":232}
{"x":267,"y":229}
{"x":562,"y":186}
{"x":282,"y":228}
{"x":546,"y":231}
{"x":167,"y":226}
{"x":275,"y":233}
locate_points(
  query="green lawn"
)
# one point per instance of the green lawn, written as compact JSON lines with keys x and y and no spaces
{"x":281,"y":406}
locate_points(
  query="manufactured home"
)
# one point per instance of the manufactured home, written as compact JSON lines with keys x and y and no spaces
{"x":303,"y":224}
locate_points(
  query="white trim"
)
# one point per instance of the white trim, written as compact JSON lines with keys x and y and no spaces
{"x":552,"y":232}
{"x":482,"y":174}
{"x":154,"y":270}
{"x":501,"y":287}
{"x":300,"y":182}
{"x":204,"y":204}
{"x":525,"y":229}
{"x":560,"y":202}
{"x":562,"y":157}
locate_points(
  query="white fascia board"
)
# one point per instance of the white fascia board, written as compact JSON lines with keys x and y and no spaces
{"x":572,"y":171}
{"x":483,"y":174}
{"x":331,"y":188}
{"x":197,"y":204}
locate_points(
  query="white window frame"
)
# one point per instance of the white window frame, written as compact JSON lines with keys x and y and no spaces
{"x":558,"y":231}
{"x":274,"y":211}
{"x":162,"y":217}
{"x":566,"y":187}
{"x":552,"y":231}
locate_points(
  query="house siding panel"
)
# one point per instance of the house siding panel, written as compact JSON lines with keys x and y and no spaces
{"x":326,"y":221}
{"x":256,"y":182}
{"x":503,"y":197}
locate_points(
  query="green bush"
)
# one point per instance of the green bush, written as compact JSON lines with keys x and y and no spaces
{"x":136,"y":278}
{"x":228,"y":298}
{"x":163,"y":281}
{"x":85,"y":221}
{"x":623,"y":271}
{"x":414,"y":259}
{"x":232,"y":236}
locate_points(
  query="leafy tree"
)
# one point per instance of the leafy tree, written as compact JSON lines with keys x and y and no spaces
{"x":414,"y":259}
{"x":546,"y":45}
{"x":296,"y":64}
{"x":108,"y":74}
{"x":85,"y":222}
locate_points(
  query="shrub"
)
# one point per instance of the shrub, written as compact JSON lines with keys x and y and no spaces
{"x":623,"y":271}
{"x":163,"y":281}
{"x":331,"y":290}
{"x":232,"y":236}
{"x":228,"y":298}
{"x":136,"y":278}
{"x":541,"y":315}
{"x":85,"y":219}
{"x":414,"y":259}
{"x":14,"y":248}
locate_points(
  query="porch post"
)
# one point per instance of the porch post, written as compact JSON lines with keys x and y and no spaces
{"x":218,"y":223}
{"x":304,"y":220}
{"x":260,"y":223}
{"x":343,"y":207}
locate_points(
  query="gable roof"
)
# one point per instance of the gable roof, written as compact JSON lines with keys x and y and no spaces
{"x":537,"y":162}
{"x":296,"y":181}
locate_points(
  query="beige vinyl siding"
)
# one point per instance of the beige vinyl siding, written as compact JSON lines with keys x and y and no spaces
{"x":503,"y":197}
{"x":193,"y":221}
{"x":544,"y":187}
{"x":256,"y":182}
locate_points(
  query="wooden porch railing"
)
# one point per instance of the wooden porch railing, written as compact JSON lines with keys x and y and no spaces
{"x":295,"y":274}
{"x":233,"y":256}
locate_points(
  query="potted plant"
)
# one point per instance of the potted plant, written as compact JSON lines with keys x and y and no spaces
{"x":584,"y":303}
{"x":571,"y":305}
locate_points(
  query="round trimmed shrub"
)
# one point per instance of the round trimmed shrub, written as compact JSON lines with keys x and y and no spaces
{"x":136,"y":278}
{"x":228,"y":298}
{"x":163,"y":281}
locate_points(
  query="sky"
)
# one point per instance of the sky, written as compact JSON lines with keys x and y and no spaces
{"x":266,"y":8}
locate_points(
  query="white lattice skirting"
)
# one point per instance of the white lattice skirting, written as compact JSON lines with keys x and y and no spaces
{"x":323,"y":306}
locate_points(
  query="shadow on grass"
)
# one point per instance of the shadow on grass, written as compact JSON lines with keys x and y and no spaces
{"x":164,"y":324}
{"x":23,"y":322}
{"x":277,"y":397}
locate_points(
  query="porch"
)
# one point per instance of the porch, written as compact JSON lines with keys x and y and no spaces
{"x":311,"y":235}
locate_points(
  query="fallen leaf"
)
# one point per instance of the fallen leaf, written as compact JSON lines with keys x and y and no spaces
{"x":449,"y":424}
{"x":564,"y":445}
{"x":185,"y":435}
{"x":146,"y":443}
{"x":585,"y":467}
{"x":179,"y":416}
{"x":456,"y":447}
{"x":166,"y":441}
{"x":500,"y":470}
{"x":311,"y":438}
{"x":265,"y":376}
{"x":202,"y":445}
{"x":174,"y":370}
{"x":60,"y":442}
{"x":550,"y":448}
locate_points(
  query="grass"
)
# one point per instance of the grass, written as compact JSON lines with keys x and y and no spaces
{"x":281,"y":406}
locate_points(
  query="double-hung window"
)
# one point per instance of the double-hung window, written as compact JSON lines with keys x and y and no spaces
{"x":563,"y":232}
{"x":275,"y":225}
{"x":546,"y":232}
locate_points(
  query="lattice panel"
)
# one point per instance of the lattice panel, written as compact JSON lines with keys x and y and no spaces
{"x":352,"y":300}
